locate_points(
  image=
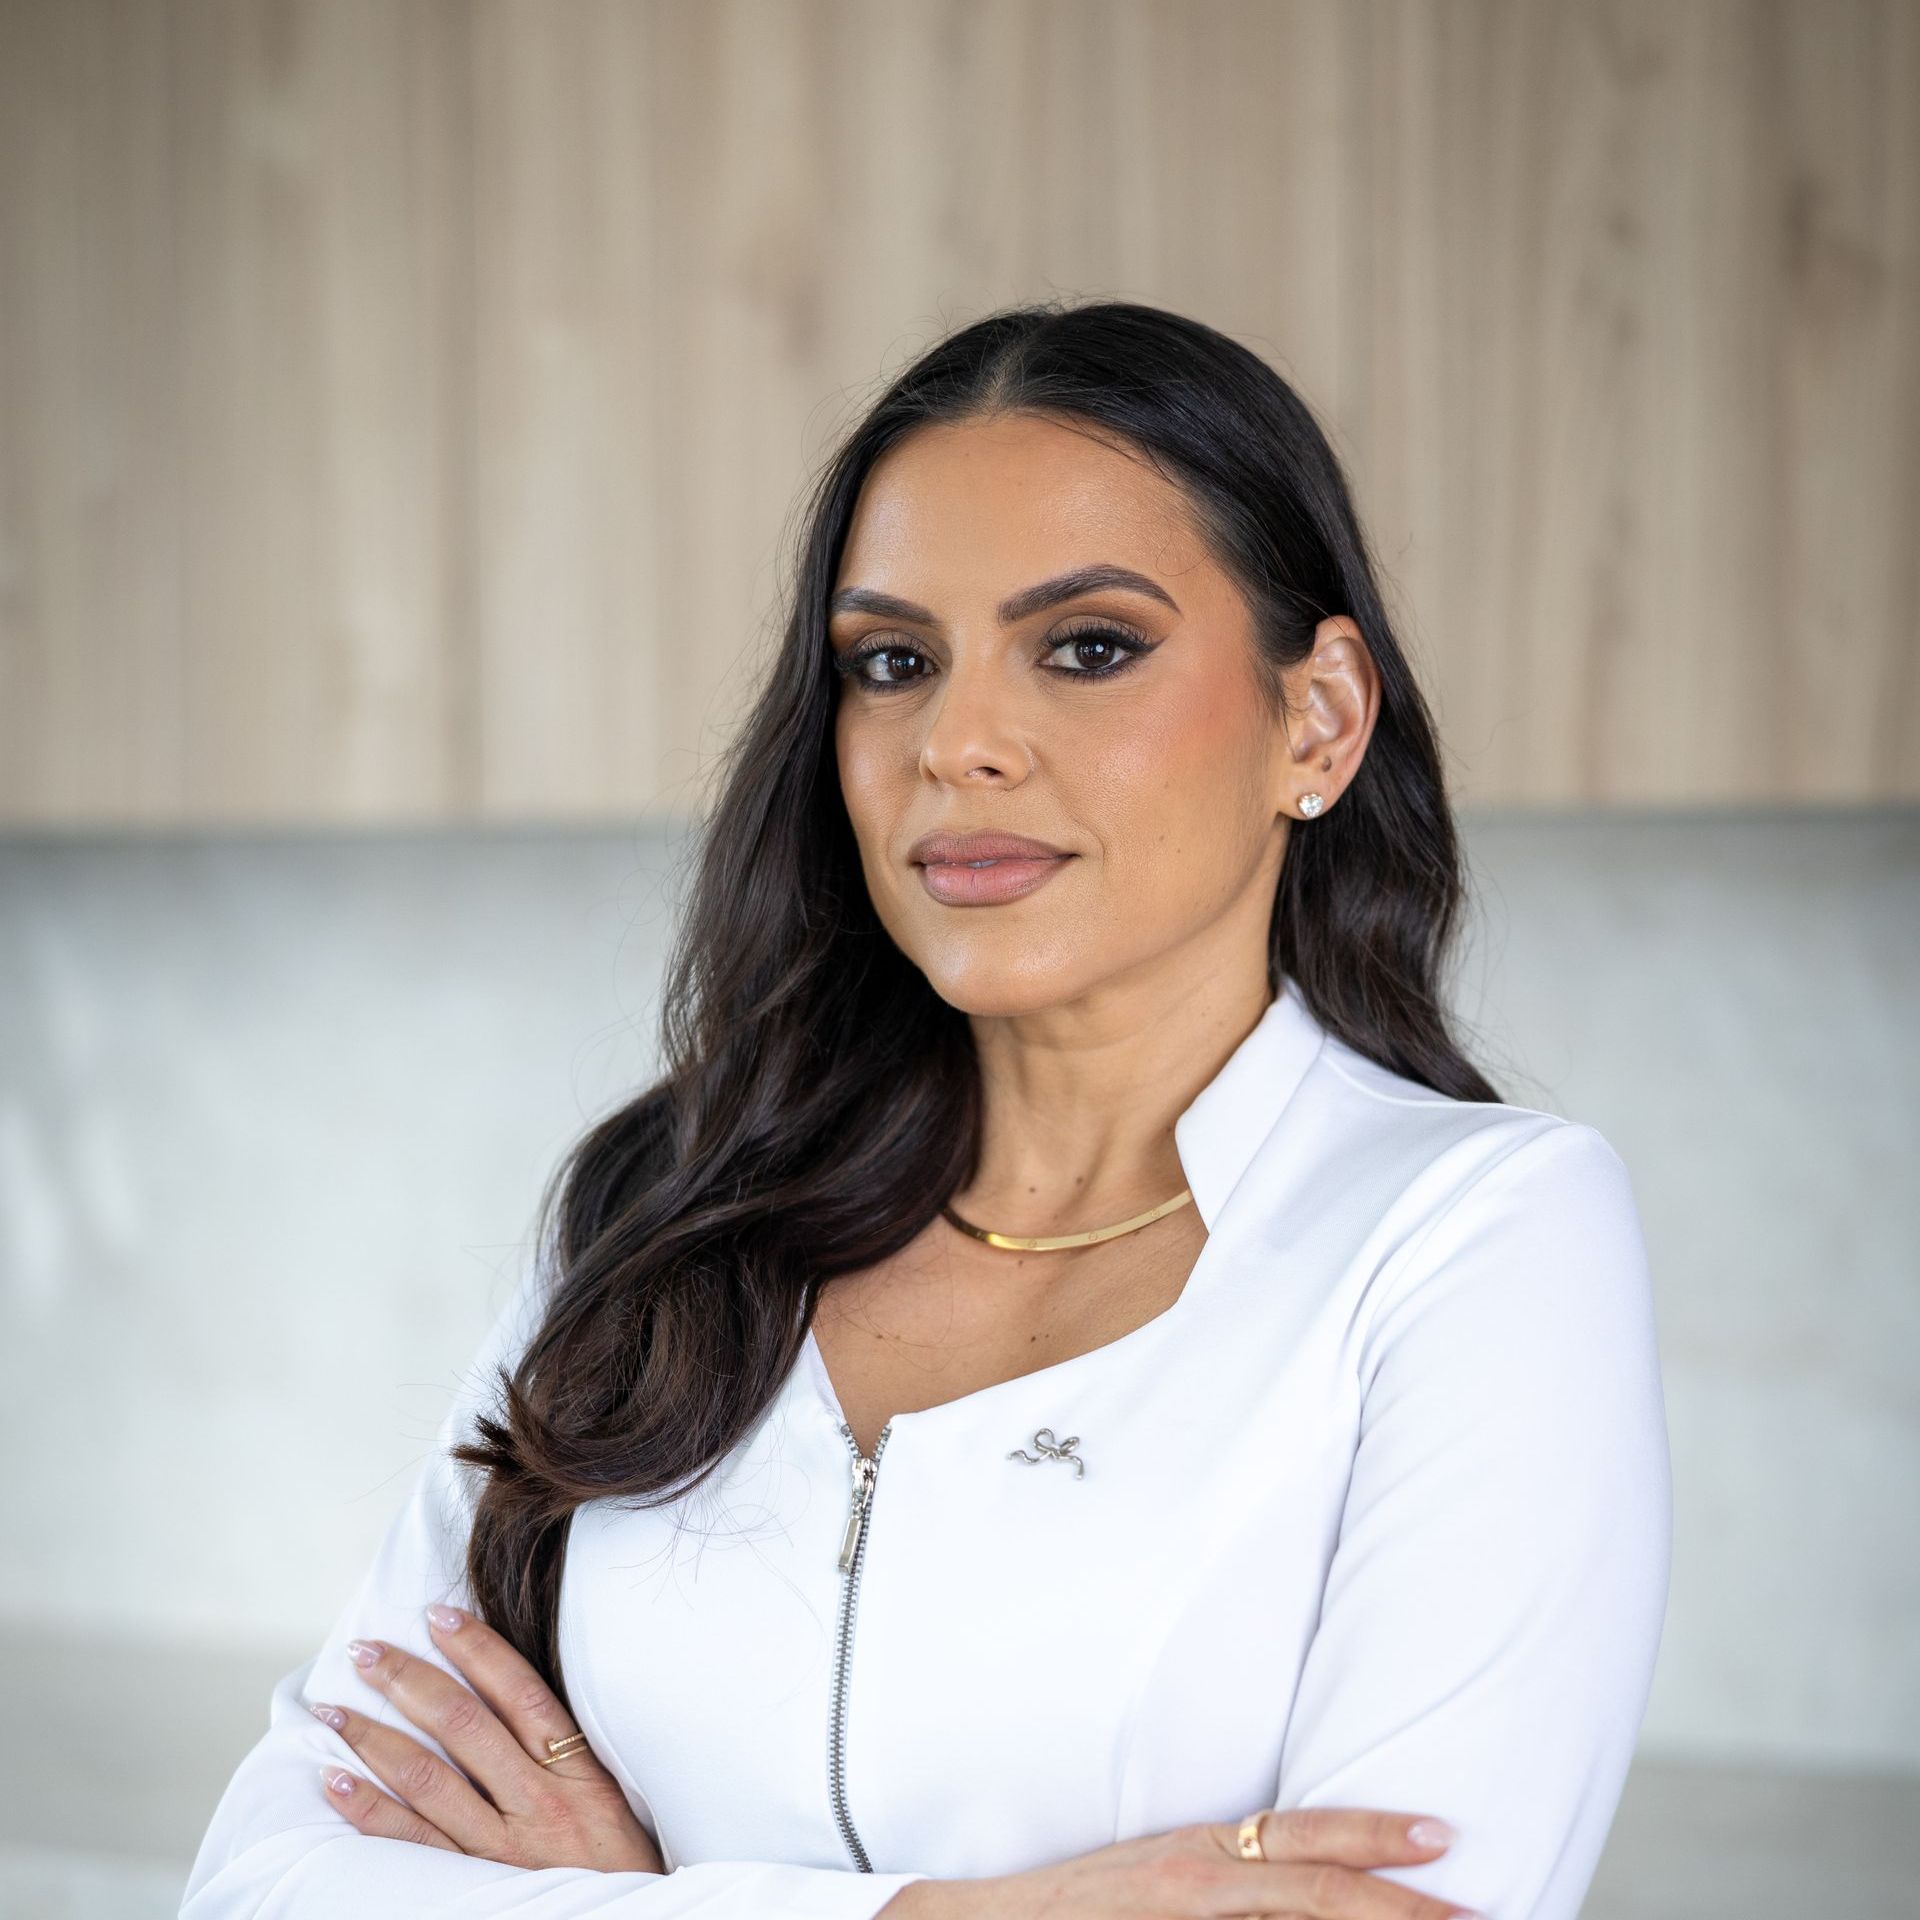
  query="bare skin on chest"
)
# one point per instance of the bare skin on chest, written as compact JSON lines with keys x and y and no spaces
{"x":947,"y":1316}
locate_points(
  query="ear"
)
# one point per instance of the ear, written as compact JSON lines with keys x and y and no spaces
{"x":1332,"y":702}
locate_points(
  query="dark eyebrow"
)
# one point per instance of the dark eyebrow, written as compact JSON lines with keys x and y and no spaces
{"x":1098,"y":578}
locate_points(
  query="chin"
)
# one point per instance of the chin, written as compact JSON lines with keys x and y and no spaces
{"x":980,"y":979}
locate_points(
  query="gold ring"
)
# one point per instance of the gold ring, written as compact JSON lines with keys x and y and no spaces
{"x":1250,"y":1847}
{"x":560,"y":1749}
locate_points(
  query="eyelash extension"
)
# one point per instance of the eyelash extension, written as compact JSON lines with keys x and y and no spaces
{"x":1130,"y":646}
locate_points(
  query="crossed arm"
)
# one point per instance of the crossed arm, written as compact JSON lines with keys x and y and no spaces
{"x":282,"y":1842}
{"x":1485,"y":1648}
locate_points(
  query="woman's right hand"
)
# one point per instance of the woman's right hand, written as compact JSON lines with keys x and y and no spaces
{"x":1317,"y":1867}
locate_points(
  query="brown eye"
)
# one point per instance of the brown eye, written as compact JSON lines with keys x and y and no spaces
{"x":852,"y":665}
{"x":1119,"y":648}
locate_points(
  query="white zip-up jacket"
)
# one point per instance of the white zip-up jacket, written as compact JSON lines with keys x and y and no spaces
{"x":1376,"y":1514}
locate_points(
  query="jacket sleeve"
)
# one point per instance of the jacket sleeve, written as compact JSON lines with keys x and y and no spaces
{"x":277,"y":1848}
{"x":1494,"y":1602}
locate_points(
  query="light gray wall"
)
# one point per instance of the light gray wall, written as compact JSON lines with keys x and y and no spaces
{"x":275,"y":1112}
{"x":1735,"y":1003}
{"x":274,"y":1116}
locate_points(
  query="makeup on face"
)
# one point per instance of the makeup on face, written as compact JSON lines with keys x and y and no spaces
{"x":988,"y":883}
{"x":982,"y":869}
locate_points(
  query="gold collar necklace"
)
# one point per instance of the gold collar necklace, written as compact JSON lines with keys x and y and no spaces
{"x":1047,"y":1242}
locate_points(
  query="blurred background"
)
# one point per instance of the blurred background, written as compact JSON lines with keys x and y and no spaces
{"x":402,"y":407}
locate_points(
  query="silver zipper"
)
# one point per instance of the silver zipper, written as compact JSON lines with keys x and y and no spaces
{"x":853,"y":1555}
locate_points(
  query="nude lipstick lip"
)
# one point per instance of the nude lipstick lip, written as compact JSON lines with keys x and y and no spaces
{"x":984,"y":869}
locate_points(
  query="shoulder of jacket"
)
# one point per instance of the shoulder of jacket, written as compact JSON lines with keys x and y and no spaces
{"x":1377,"y":1146}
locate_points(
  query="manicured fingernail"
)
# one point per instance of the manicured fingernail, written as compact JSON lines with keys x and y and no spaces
{"x":1430,"y":1833}
{"x":446,"y":1618}
{"x":331,"y":1715}
{"x":337,"y":1780}
{"x":363,"y":1653}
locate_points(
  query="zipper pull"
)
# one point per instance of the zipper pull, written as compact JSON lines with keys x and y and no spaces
{"x":857,"y":1517}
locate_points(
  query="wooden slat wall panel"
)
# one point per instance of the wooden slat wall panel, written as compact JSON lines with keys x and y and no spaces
{"x":1644,"y":424}
{"x":404,"y":406}
{"x":1844,"y":96}
{"x":574,"y":702}
{"x":234,"y":252}
{"x":93,"y":676}
{"x":322,"y":259}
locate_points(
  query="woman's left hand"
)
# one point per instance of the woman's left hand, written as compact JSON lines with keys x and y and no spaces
{"x":499,"y":1803}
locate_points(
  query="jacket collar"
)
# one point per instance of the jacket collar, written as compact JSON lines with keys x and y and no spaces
{"x":1228,"y":1120}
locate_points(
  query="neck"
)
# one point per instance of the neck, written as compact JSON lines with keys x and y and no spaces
{"x":1081,"y":1101}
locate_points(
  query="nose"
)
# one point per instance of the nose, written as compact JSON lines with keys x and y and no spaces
{"x":973,"y":732}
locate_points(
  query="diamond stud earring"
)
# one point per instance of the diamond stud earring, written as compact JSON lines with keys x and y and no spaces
{"x":1310,"y":804}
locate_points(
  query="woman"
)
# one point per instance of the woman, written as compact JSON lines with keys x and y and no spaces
{"x":1070,"y":1396}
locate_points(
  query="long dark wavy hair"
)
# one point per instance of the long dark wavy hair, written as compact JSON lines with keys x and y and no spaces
{"x":818,"y":1100}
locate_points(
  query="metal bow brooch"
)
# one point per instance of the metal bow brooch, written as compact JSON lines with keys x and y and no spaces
{"x":1051,"y":1449}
